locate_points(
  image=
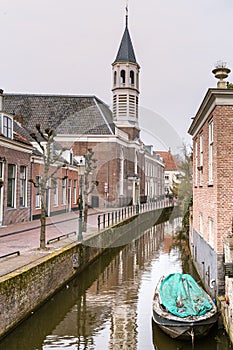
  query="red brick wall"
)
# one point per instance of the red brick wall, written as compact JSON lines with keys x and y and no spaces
{"x":215,"y":201}
{"x":72,"y":173}
{"x":132,"y":132}
{"x":17,"y":214}
{"x":224,"y":176}
{"x":108,"y":155}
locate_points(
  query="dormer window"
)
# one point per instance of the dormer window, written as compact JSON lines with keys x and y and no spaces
{"x":6,"y":126}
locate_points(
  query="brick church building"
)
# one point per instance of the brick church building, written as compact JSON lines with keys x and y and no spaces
{"x":86,"y":122}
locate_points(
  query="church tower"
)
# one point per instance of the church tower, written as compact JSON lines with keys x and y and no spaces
{"x":126,"y":86}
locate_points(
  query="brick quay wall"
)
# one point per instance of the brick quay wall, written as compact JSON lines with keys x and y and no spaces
{"x":226,"y":301}
{"x":25,"y":290}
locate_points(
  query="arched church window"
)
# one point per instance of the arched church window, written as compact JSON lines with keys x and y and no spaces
{"x":122,"y":76}
{"x":115,"y":78}
{"x":132,"y":77}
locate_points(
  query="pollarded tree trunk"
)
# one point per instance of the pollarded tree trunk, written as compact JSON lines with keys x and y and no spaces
{"x":43,"y":219}
{"x":52,"y":162}
{"x":85,"y":216}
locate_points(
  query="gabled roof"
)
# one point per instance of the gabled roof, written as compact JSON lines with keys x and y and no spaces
{"x":82,"y":115}
{"x":21,"y":134}
{"x":126,"y":51}
{"x":214,"y":97}
{"x":170,"y":161}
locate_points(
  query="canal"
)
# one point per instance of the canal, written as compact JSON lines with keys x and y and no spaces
{"x":108,"y":306}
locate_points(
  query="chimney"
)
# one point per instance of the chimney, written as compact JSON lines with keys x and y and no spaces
{"x":1,"y":100}
{"x":221,"y":72}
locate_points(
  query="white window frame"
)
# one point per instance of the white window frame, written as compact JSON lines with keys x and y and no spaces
{"x":63,"y":197}
{"x":201,"y":160}
{"x":75,"y":192}
{"x":12,"y":182}
{"x":38,"y":193}
{"x":211,"y":142}
{"x":23,"y":186}
{"x":55,"y":193}
{"x":6,"y":125}
{"x":196,"y":163}
{"x":1,"y":170}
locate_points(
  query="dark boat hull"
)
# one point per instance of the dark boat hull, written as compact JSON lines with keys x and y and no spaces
{"x":178,"y":316}
{"x":185,"y":330}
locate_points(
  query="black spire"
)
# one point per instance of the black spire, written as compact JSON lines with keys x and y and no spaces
{"x":126,"y":51}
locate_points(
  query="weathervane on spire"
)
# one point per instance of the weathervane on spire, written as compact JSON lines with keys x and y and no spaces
{"x":127,"y":12}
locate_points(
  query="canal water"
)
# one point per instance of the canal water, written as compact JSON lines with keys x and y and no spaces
{"x":108,"y":306}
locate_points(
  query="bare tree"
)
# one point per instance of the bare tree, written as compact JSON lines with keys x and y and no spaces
{"x":184,"y":188}
{"x":51,"y":165}
{"x":89,"y":185}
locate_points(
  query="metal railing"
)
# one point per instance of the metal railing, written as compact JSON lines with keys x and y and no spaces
{"x":108,"y":219}
{"x":61,"y":236}
{"x":10,"y":254}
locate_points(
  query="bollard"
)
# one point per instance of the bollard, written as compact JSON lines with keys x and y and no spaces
{"x":103,"y":220}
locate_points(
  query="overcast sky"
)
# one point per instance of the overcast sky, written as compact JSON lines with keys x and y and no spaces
{"x":67,"y":47}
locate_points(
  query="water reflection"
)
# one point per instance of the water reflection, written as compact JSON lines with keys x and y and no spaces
{"x":216,"y":340}
{"x":108,"y":306}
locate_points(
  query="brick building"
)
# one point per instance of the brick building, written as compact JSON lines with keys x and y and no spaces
{"x":125,"y":171}
{"x":85,"y":122}
{"x":154,"y":175}
{"x":212,"y":129}
{"x":62,"y":193}
{"x":172,"y":174}
{"x":15,"y":155}
{"x":21,"y":161}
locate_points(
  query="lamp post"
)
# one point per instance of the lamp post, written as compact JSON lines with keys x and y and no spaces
{"x":80,"y":220}
{"x":138,"y":197}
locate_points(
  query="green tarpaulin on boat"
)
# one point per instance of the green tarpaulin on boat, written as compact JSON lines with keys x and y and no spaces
{"x":181,"y":295}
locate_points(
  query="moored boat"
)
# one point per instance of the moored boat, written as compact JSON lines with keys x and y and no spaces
{"x":182,"y":309}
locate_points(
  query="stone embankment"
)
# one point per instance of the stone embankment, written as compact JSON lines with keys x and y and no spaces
{"x":27,"y":288}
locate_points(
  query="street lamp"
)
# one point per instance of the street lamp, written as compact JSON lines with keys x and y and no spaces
{"x":138,"y":196}
{"x":81,"y":167}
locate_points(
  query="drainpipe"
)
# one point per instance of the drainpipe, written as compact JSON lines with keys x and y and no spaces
{"x":203,"y":270}
{"x":1,"y":100}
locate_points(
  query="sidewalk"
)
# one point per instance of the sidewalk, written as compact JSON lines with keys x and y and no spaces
{"x":26,"y":238}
